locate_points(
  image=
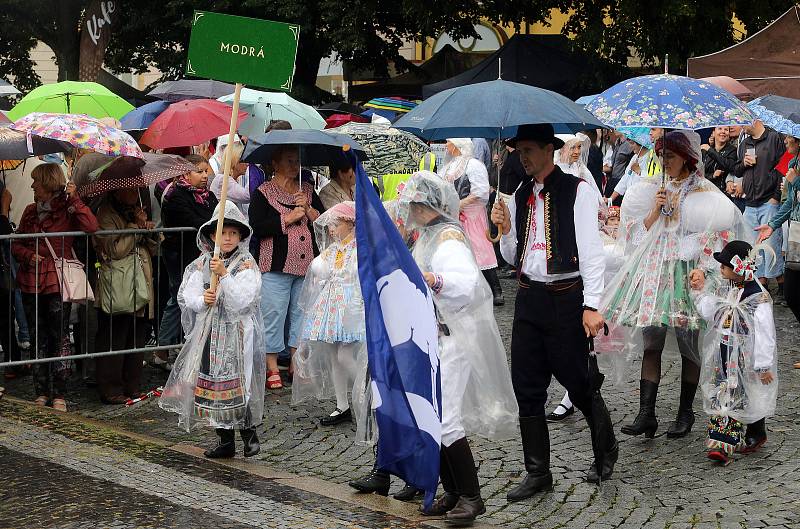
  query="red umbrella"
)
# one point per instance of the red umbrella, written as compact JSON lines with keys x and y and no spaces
{"x":337,"y":120}
{"x":731,"y":85}
{"x":189,"y":122}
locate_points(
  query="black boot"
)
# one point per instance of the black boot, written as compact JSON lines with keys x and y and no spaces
{"x":685,"y":419}
{"x":449,"y":498}
{"x":754,"y":438}
{"x":494,"y":284}
{"x":376,"y":481}
{"x":226,"y":447}
{"x":470,"y":504}
{"x":536,"y":451}
{"x":645,"y":422}
{"x":251,"y":444}
{"x":603,"y":442}
{"x":407,"y":493}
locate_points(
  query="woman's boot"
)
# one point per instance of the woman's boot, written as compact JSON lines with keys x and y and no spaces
{"x":449,"y":498}
{"x":376,"y":481}
{"x":494,"y":284}
{"x":645,"y":422}
{"x":407,"y":493}
{"x":226,"y":448}
{"x":470,"y":504}
{"x":251,"y":444}
{"x":685,"y":419}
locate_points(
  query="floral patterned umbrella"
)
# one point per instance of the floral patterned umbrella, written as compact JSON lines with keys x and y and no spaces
{"x":95,"y":174}
{"x":668,"y":101}
{"x":80,"y":131}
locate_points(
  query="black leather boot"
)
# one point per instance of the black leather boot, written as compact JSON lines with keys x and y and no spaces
{"x":407,"y":493}
{"x":494,"y":284}
{"x":754,"y":438}
{"x":251,"y":444}
{"x":536,"y":451}
{"x":603,"y":442}
{"x":226,"y":447}
{"x":685,"y":419}
{"x":449,"y":498}
{"x":470,"y":504}
{"x":645,"y":422}
{"x":376,"y":481}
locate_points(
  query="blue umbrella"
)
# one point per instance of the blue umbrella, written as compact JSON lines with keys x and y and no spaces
{"x":316,"y":147}
{"x":779,"y":113}
{"x":584,"y":100}
{"x":668,"y":101}
{"x":640,"y":135}
{"x":494,"y":109}
{"x":140,"y":118}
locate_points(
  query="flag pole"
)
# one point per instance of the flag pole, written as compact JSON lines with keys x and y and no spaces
{"x":224,"y":192}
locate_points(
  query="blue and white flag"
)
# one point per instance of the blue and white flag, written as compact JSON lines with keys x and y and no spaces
{"x":403,"y":347}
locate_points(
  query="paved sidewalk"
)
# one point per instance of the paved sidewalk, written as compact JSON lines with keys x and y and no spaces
{"x":659,"y":483}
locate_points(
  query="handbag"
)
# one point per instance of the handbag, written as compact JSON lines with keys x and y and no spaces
{"x":122,"y":285}
{"x":72,"y":280}
{"x":793,"y":246}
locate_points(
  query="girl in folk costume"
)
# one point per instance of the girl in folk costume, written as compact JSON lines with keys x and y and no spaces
{"x":739,"y":379}
{"x":477,"y":395}
{"x":668,"y":229}
{"x":219,"y":375}
{"x":333,"y":343}
{"x":572,"y":158}
{"x":471,"y":182}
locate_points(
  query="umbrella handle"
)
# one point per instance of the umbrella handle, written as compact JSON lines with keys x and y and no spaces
{"x":499,"y":234}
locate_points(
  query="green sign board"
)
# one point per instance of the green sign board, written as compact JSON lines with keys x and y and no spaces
{"x":242,"y":50}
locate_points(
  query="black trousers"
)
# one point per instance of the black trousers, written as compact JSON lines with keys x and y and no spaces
{"x":791,"y":291}
{"x":120,"y":374}
{"x":548,"y":341}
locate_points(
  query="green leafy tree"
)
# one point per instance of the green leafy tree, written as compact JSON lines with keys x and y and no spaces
{"x":154,"y":33}
{"x":652,"y":30}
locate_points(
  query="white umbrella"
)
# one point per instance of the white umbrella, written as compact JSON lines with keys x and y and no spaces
{"x":7,"y":89}
{"x":264,"y":107}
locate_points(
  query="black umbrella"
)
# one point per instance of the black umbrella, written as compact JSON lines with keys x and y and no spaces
{"x":173,"y":91}
{"x":601,"y":428}
{"x":317,"y":148}
{"x":339,"y":107}
{"x":15,"y":145}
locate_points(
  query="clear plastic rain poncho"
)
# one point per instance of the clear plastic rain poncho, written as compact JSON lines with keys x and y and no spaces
{"x":474,"y":365}
{"x":739,"y":344}
{"x":219,"y":376}
{"x":332,"y":351}
{"x":652,"y":287}
{"x":564,"y":159}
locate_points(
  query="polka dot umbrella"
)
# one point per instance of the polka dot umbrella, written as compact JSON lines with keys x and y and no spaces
{"x":96,"y":174}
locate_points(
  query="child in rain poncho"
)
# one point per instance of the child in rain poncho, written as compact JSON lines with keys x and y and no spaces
{"x":739,"y":376}
{"x":219,"y":375}
{"x":333,"y":347}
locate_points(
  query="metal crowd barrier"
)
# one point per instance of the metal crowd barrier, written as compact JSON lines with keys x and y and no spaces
{"x":83,"y":328}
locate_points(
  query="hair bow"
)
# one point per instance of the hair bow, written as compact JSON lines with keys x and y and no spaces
{"x":743,"y":267}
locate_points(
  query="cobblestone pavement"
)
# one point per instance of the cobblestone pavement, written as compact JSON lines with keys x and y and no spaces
{"x":658,"y":483}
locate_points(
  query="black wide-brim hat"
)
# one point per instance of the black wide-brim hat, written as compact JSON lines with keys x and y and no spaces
{"x":740,"y":248}
{"x":210,"y":228}
{"x":541,"y":132}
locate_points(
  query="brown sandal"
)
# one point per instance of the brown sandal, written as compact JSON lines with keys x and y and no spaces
{"x":41,"y":401}
{"x":59,"y":405}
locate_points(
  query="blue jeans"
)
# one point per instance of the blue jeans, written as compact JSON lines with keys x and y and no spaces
{"x":170,"y":332}
{"x":756,"y":216}
{"x":280,"y":297}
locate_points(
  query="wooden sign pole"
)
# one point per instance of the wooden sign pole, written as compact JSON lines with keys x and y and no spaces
{"x":224,"y":193}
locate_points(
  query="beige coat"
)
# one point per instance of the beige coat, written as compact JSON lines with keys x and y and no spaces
{"x":111,"y":247}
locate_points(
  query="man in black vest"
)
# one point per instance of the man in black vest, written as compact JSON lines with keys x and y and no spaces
{"x":550,"y":232}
